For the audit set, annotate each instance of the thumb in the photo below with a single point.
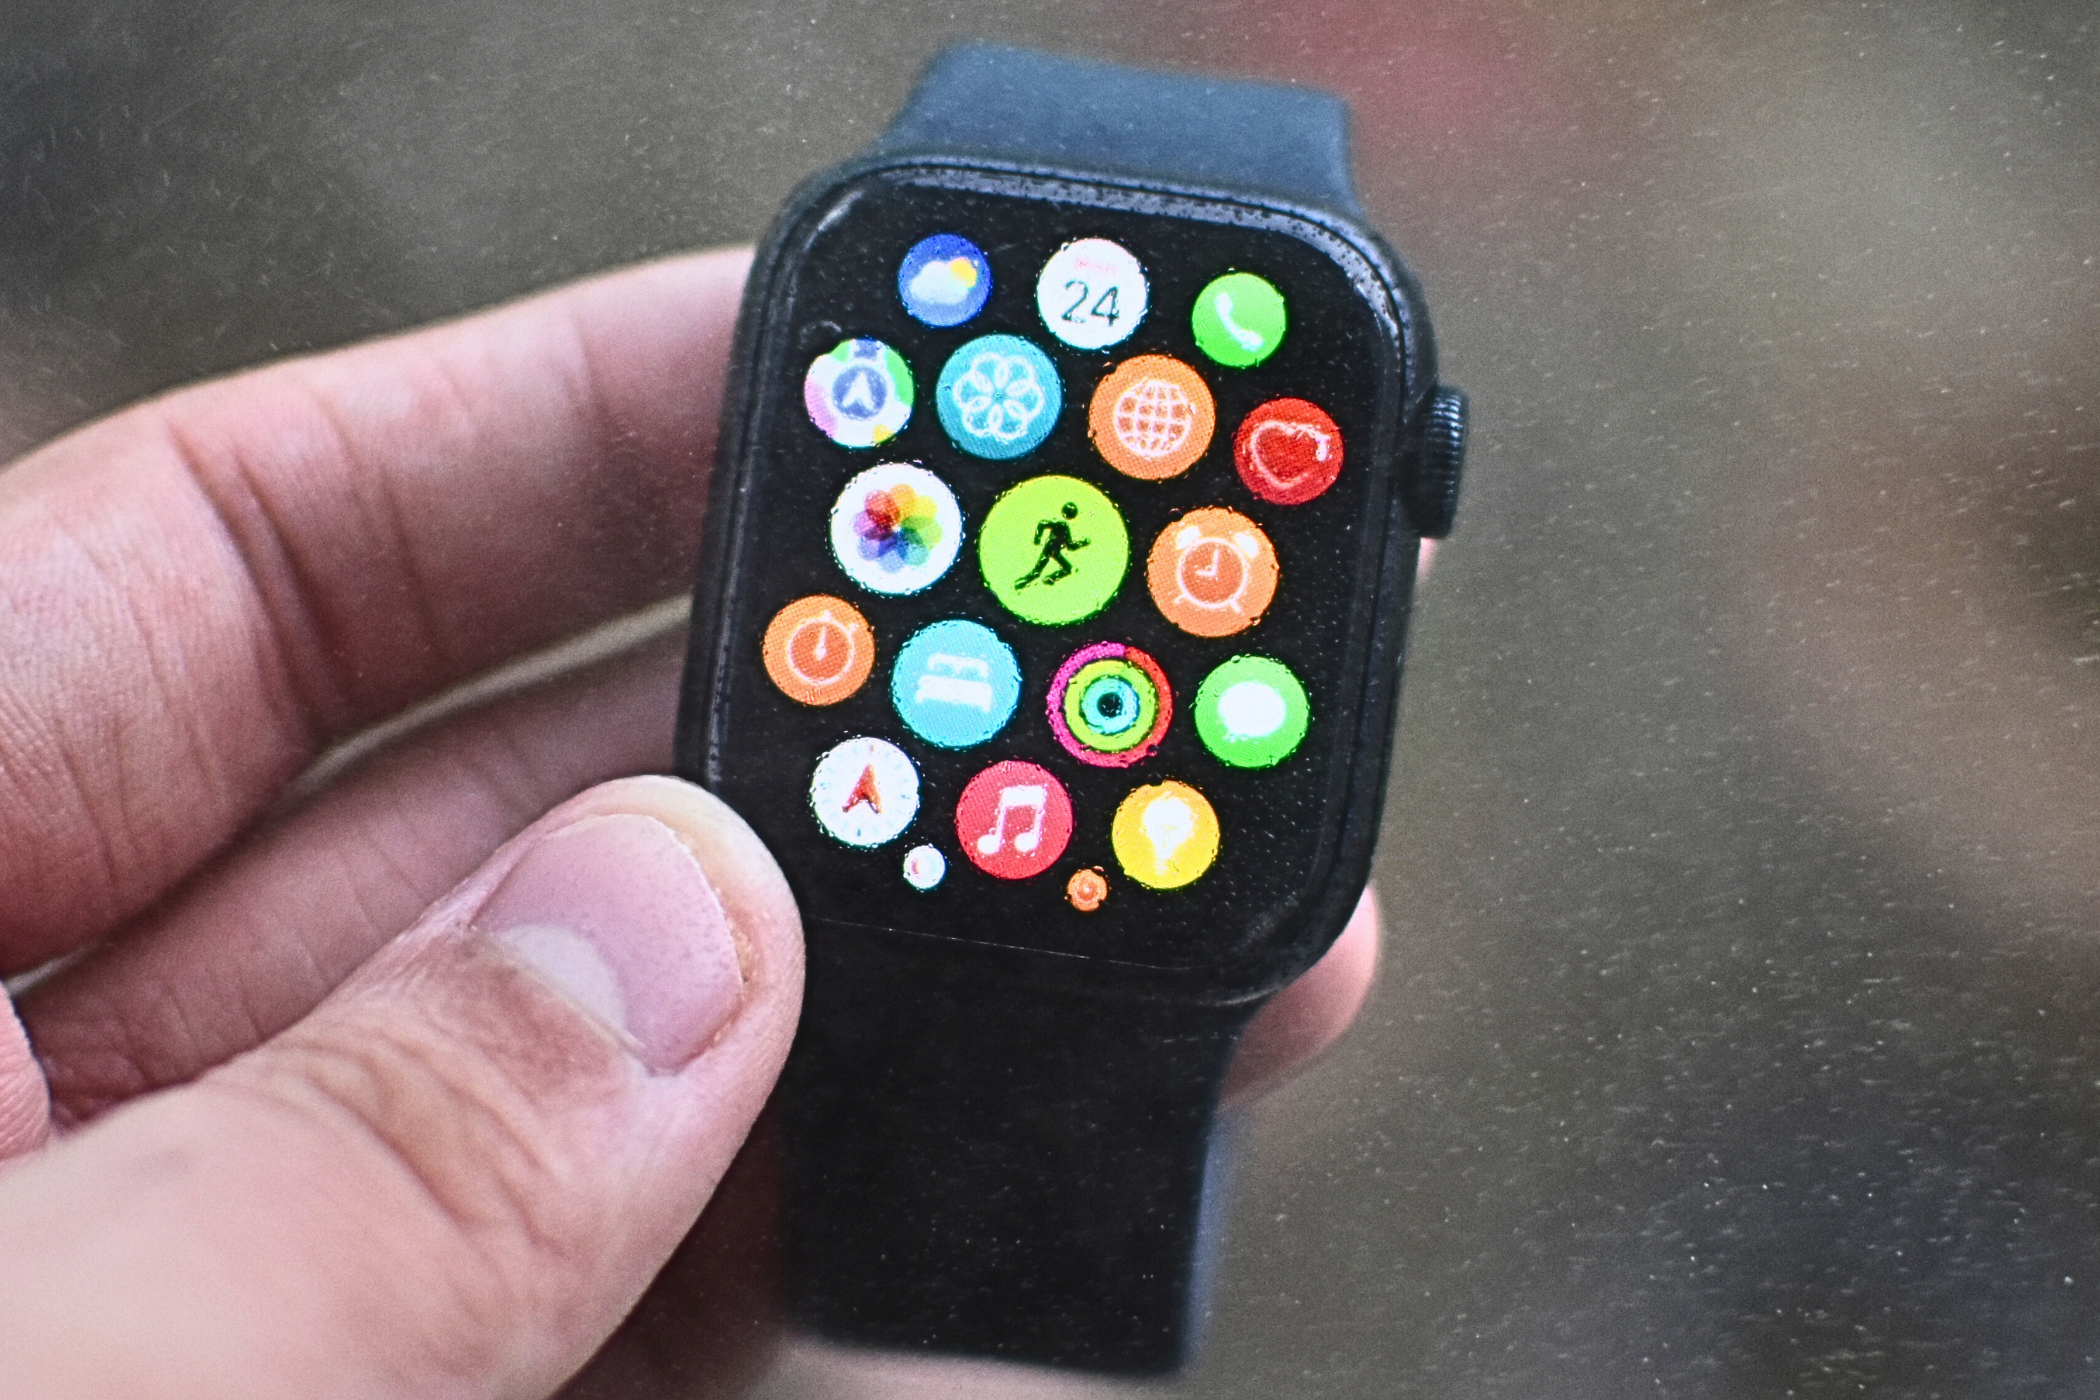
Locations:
(457, 1173)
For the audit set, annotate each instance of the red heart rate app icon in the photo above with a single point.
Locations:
(1288, 451)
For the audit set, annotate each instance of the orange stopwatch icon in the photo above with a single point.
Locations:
(819, 649)
(1213, 572)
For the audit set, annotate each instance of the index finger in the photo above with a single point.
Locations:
(200, 593)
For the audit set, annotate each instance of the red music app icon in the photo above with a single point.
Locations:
(1014, 820)
(1288, 451)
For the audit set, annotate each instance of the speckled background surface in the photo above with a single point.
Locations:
(1737, 1034)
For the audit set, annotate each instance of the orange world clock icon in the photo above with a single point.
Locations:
(1152, 417)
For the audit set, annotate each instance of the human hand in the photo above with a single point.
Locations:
(391, 1084)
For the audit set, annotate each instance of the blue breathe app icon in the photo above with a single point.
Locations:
(955, 683)
(999, 397)
(944, 280)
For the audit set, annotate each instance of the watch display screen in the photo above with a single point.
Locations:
(1060, 523)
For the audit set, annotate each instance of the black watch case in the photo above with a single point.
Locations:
(1294, 839)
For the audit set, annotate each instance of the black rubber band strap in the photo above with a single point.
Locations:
(1007, 104)
(973, 1164)
(982, 1167)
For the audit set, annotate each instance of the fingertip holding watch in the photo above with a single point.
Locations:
(1080, 443)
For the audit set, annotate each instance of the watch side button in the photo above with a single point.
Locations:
(1432, 497)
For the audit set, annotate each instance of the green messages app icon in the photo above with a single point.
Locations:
(1251, 712)
(1239, 320)
(1053, 549)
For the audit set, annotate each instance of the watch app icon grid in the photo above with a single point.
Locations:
(948, 710)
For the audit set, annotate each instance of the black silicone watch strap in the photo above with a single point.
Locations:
(1009, 104)
(983, 1167)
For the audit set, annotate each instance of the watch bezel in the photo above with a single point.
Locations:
(1395, 299)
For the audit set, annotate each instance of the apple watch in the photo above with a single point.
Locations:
(1079, 446)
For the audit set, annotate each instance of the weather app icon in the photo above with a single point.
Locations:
(999, 397)
(944, 280)
(956, 684)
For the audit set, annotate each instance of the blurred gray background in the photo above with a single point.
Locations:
(1737, 1032)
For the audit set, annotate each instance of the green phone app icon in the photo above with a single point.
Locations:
(1239, 319)
(1053, 550)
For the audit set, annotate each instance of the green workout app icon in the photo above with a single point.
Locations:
(1239, 320)
(1053, 550)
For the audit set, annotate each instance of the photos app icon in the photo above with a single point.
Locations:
(896, 528)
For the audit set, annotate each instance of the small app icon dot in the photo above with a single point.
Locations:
(896, 528)
(1213, 572)
(955, 683)
(1086, 889)
(1165, 835)
(819, 649)
(924, 867)
(864, 792)
(1092, 293)
(1053, 550)
(944, 280)
(1109, 705)
(1152, 417)
(1014, 820)
(1288, 451)
(998, 397)
(1239, 320)
(859, 393)
(1251, 712)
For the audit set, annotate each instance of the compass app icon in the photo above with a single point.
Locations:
(864, 792)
